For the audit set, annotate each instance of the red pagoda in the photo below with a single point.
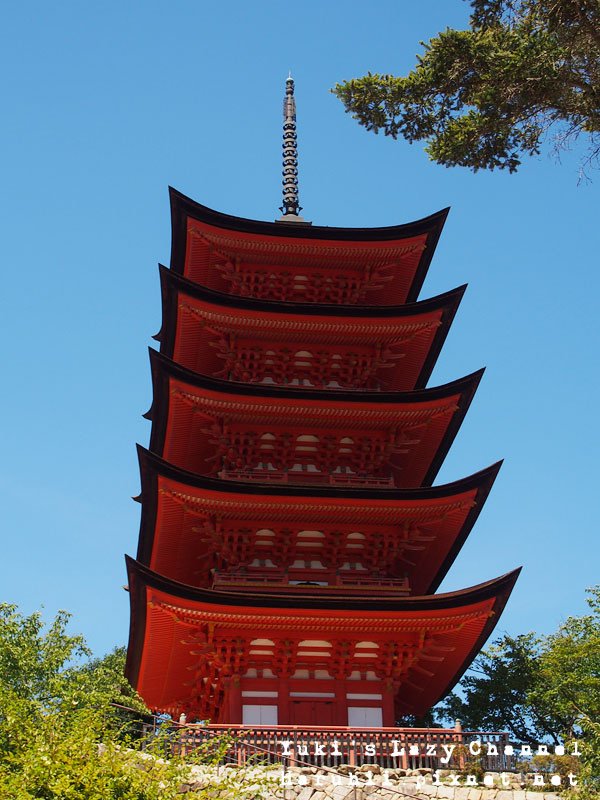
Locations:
(291, 539)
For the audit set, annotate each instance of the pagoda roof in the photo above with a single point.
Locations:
(435, 414)
(408, 247)
(172, 624)
(419, 329)
(175, 501)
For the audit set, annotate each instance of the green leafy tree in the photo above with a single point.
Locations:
(61, 737)
(540, 688)
(569, 683)
(495, 694)
(486, 96)
(569, 677)
(47, 673)
(34, 661)
(57, 724)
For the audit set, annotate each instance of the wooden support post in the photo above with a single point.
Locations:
(341, 704)
(234, 700)
(283, 702)
(387, 710)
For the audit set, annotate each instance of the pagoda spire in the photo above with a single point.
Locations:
(291, 205)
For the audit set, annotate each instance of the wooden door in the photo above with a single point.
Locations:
(312, 712)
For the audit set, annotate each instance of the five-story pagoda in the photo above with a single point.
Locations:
(291, 539)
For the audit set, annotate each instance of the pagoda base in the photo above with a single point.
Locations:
(298, 702)
(330, 747)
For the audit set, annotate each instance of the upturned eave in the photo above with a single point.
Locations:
(272, 504)
(463, 619)
(185, 211)
(310, 321)
(341, 408)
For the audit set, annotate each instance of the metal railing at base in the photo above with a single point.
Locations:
(330, 747)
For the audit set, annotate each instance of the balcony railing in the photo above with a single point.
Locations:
(309, 478)
(390, 748)
(275, 580)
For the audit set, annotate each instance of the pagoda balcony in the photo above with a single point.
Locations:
(326, 581)
(389, 747)
(307, 478)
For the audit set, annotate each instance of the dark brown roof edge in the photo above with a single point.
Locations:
(173, 281)
(152, 461)
(508, 583)
(442, 332)
(470, 387)
(183, 204)
(488, 478)
(161, 363)
(183, 207)
(137, 624)
(496, 587)
(151, 466)
(162, 368)
(140, 577)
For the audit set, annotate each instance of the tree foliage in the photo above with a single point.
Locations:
(569, 665)
(55, 711)
(61, 737)
(487, 96)
(569, 682)
(495, 694)
(539, 688)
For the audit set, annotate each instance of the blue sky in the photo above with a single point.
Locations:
(104, 107)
